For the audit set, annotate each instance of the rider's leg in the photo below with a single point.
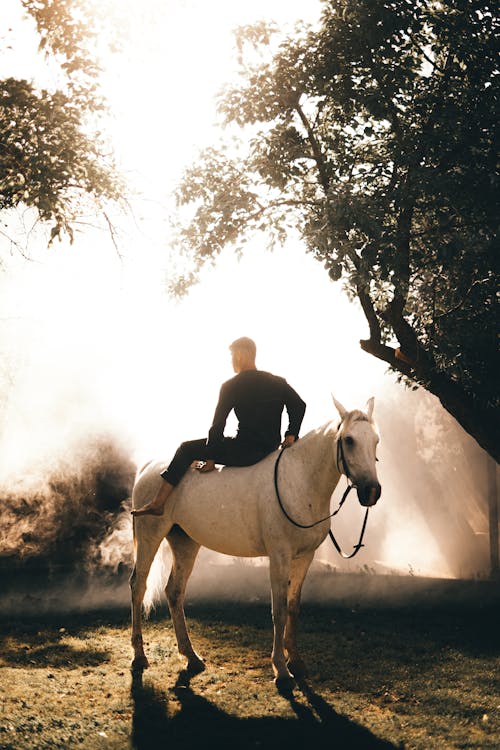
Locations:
(186, 453)
(231, 452)
(157, 505)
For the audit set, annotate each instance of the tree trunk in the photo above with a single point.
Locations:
(481, 423)
(491, 473)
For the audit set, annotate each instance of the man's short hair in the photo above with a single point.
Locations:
(244, 344)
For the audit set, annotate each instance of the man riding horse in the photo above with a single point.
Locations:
(258, 399)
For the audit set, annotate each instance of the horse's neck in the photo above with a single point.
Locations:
(318, 462)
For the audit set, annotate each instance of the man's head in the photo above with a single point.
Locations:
(243, 352)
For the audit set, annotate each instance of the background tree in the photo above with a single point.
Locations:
(374, 137)
(53, 157)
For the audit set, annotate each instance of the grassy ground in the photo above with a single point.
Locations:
(410, 676)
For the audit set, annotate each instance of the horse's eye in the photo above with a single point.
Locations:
(349, 440)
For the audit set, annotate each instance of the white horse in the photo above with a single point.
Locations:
(235, 511)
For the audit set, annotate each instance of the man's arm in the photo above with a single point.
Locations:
(296, 408)
(224, 406)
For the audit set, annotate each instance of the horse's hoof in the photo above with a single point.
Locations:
(284, 685)
(298, 668)
(139, 663)
(195, 665)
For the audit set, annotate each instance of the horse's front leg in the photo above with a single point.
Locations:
(279, 568)
(147, 539)
(298, 571)
(184, 551)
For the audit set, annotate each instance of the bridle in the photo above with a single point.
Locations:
(343, 468)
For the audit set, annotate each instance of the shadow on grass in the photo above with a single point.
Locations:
(39, 645)
(199, 723)
(471, 629)
(55, 655)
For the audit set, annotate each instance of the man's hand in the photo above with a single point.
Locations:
(206, 466)
(288, 441)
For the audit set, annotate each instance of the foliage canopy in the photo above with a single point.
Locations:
(374, 137)
(53, 157)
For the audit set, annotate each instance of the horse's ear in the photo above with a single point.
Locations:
(340, 408)
(369, 406)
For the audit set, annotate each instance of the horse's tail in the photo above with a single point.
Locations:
(157, 578)
(157, 575)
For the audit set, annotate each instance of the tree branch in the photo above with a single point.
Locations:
(424, 54)
(478, 282)
(316, 149)
(389, 355)
(370, 314)
(481, 422)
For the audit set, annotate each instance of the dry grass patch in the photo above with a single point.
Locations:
(379, 678)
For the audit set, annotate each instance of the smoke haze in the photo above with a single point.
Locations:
(101, 377)
(100, 371)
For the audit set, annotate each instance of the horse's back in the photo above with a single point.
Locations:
(226, 510)
(233, 510)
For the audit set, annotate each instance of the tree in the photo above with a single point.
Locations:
(53, 158)
(373, 137)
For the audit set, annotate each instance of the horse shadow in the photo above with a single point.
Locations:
(198, 722)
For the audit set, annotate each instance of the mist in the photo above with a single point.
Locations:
(101, 372)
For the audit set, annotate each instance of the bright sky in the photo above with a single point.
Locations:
(92, 340)
(176, 56)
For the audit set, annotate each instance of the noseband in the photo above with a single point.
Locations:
(343, 468)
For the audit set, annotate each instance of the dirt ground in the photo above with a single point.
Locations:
(422, 672)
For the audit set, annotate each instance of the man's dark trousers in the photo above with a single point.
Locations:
(229, 451)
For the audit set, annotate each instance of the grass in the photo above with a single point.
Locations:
(380, 677)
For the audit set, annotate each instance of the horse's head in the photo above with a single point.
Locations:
(356, 445)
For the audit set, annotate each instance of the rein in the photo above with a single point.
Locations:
(345, 468)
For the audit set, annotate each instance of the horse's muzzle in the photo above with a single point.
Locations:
(368, 494)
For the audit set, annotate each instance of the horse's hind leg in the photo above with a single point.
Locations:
(298, 570)
(184, 551)
(147, 538)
